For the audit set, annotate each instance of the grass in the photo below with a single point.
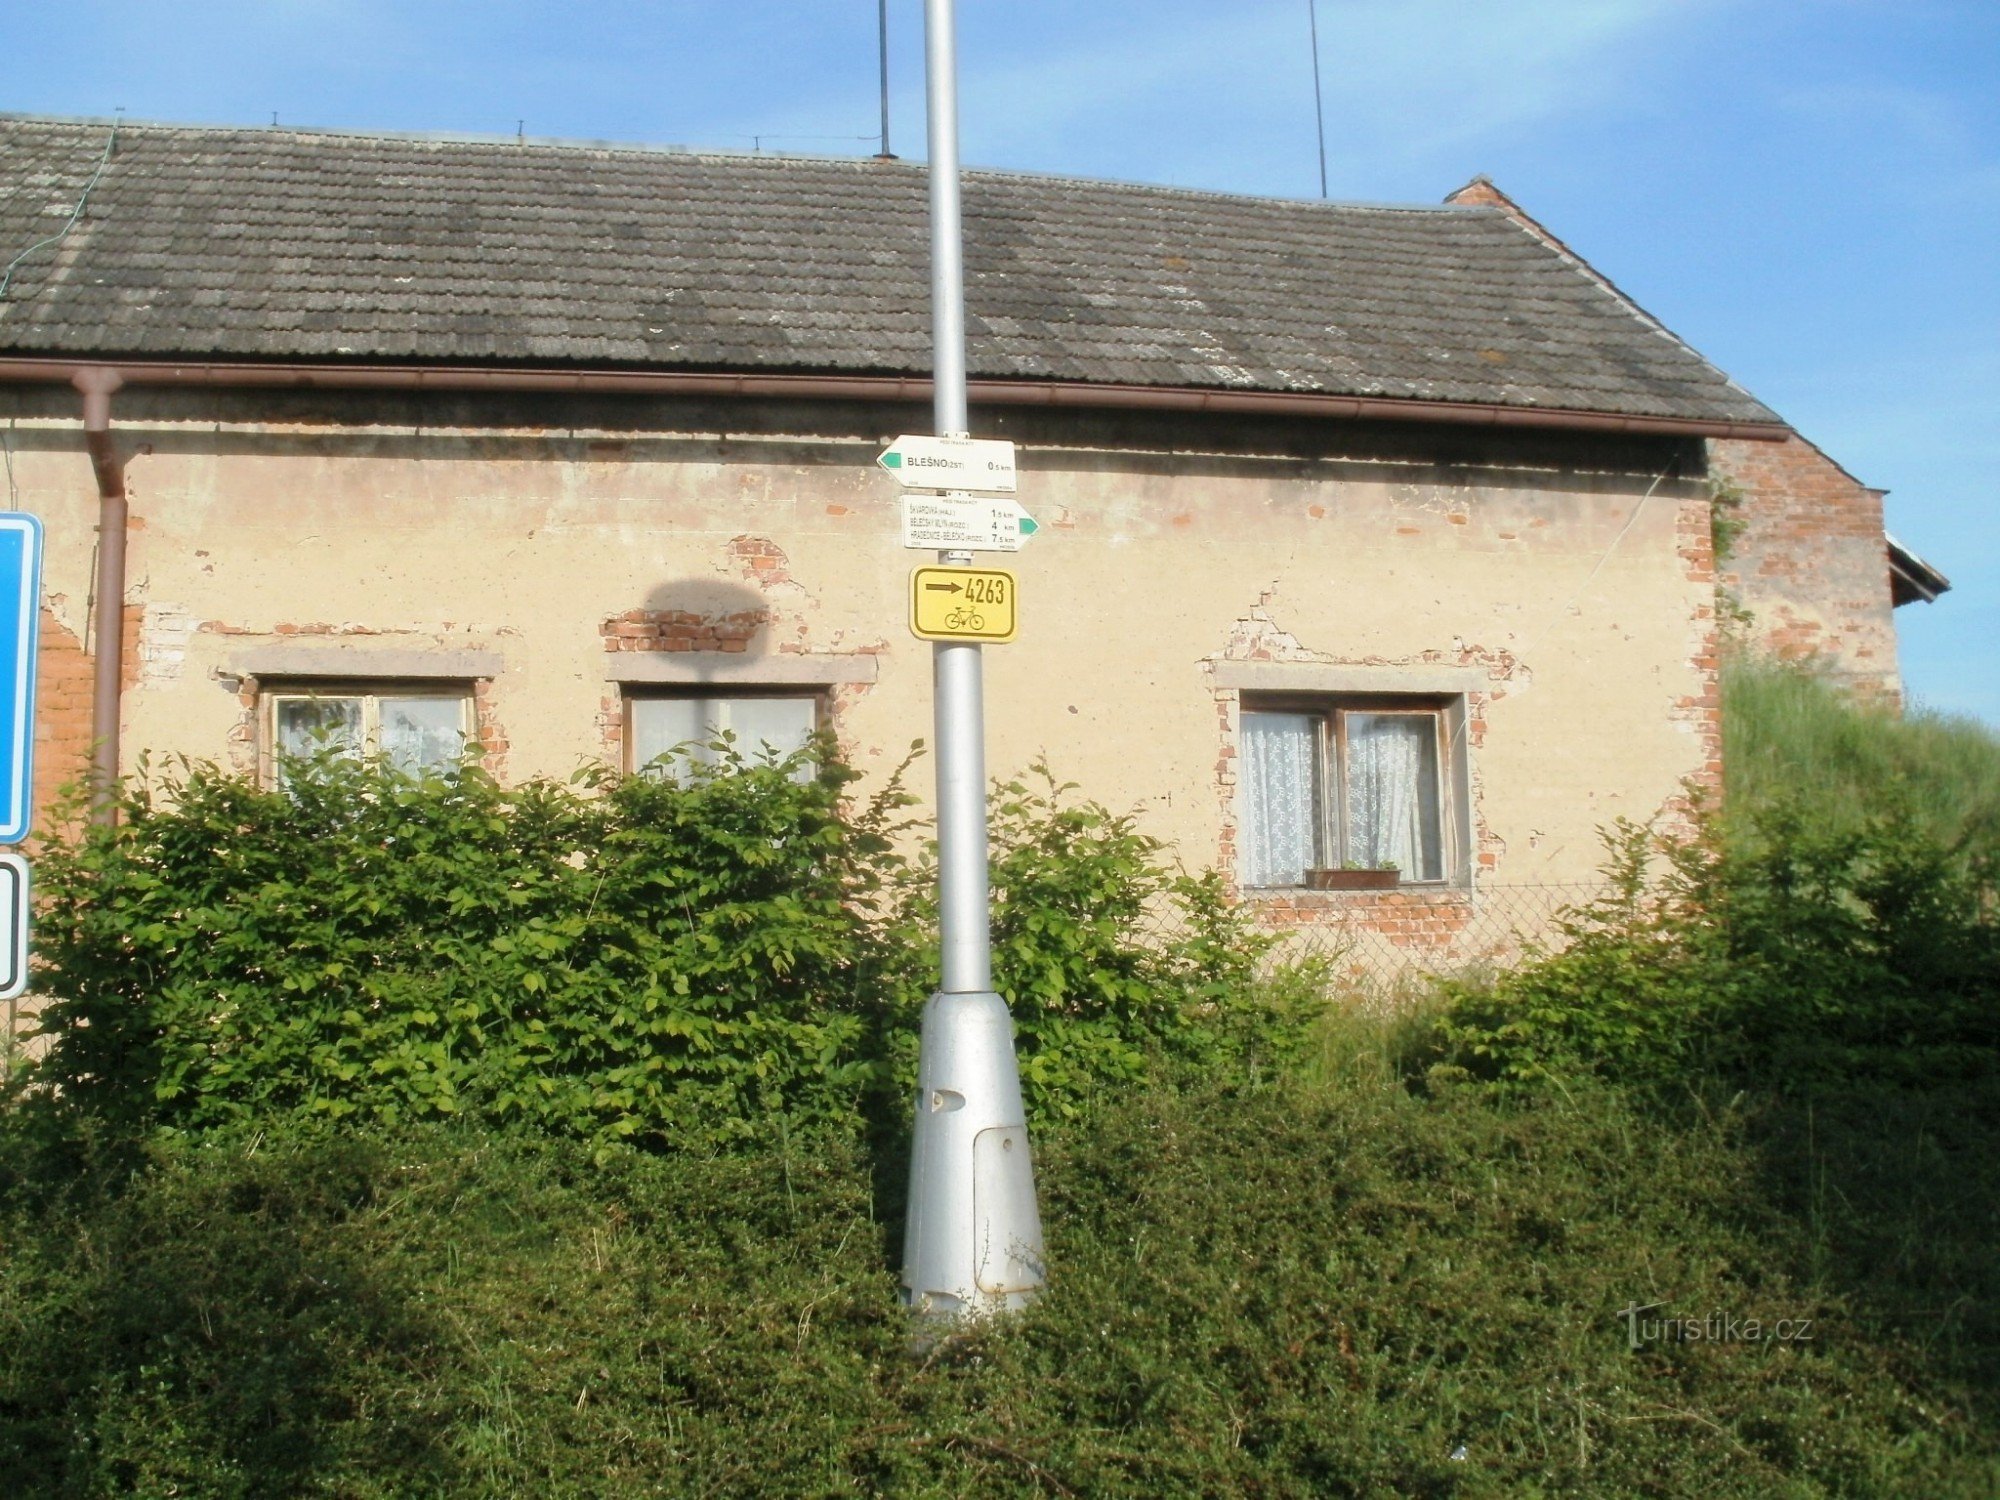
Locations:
(1789, 734)
(1341, 1289)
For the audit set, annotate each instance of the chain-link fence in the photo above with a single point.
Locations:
(1410, 934)
(1390, 938)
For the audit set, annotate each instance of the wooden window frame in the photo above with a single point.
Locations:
(1329, 712)
(632, 694)
(372, 692)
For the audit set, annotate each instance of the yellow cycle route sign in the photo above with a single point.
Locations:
(962, 604)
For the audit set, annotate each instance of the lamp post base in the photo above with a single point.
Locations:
(972, 1243)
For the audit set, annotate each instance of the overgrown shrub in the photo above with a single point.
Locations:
(665, 961)
(1354, 1293)
(1120, 972)
(1830, 922)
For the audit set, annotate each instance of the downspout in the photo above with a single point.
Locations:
(108, 635)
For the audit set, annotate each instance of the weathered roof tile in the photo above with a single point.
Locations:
(274, 244)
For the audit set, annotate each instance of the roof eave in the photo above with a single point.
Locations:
(991, 392)
(1911, 579)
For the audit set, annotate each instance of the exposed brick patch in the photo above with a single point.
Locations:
(1810, 562)
(1228, 714)
(487, 731)
(689, 630)
(63, 689)
(1425, 920)
(128, 668)
(762, 560)
(1481, 193)
(682, 630)
(1258, 637)
(611, 726)
(240, 745)
(310, 627)
(164, 631)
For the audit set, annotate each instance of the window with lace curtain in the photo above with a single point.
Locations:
(1359, 783)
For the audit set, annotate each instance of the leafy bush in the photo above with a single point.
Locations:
(1825, 927)
(1635, 988)
(692, 961)
(1120, 973)
(1351, 1293)
(666, 961)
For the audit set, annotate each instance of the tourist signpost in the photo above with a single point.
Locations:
(948, 463)
(965, 523)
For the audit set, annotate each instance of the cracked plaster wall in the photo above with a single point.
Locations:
(463, 527)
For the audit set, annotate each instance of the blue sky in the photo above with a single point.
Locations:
(1808, 191)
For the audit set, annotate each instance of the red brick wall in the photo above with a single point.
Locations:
(1810, 564)
(62, 715)
(64, 678)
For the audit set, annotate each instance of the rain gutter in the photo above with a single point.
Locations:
(1078, 395)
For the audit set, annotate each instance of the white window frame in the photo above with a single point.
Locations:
(372, 693)
(634, 694)
(1330, 774)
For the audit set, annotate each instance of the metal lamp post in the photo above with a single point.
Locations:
(973, 1239)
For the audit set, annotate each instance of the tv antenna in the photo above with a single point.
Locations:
(1319, 111)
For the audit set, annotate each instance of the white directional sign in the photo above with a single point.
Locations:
(965, 523)
(937, 463)
(13, 925)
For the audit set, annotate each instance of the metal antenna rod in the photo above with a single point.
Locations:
(1319, 113)
(882, 47)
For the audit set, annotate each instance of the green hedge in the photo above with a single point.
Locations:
(661, 961)
(1352, 1293)
(1839, 917)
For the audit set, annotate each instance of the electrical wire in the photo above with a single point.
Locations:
(1521, 651)
(7, 278)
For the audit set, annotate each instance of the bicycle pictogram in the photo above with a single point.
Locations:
(965, 619)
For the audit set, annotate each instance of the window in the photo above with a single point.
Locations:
(684, 728)
(1360, 783)
(415, 729)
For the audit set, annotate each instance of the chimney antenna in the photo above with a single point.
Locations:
(1319, 112)
(882, 48)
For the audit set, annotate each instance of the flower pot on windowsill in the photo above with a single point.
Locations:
(1353, 880)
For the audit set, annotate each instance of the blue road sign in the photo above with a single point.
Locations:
(20, 621)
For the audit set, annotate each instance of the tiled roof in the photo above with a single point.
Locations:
(269, 244)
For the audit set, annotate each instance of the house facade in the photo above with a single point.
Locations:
(1368, 537)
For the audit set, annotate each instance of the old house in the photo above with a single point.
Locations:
(1369, 535)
